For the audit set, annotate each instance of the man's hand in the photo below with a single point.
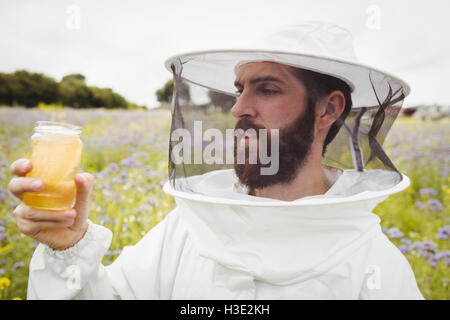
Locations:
(57, 229)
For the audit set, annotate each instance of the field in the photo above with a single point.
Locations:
(126, 151)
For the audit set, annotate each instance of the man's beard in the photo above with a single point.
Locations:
(295, 143)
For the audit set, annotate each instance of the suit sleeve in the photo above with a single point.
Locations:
(77, 272)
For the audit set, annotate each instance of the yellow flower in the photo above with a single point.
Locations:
(4, 282)
(446, 189)
(17, 298)
(6, 248)
(163, 165)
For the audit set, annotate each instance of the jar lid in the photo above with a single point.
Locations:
(57, 127)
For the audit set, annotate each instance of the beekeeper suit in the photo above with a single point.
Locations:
(222, 242)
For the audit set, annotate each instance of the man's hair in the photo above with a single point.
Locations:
(319, 85)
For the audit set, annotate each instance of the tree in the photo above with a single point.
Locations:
(221, 100)
(29, 89)
(74, 92)
(74, 76)
(106, 98)
(165, 93)
(8, 89)
(25, 88)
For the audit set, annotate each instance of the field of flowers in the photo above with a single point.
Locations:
(126, 151)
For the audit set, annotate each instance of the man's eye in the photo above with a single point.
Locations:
(264, 91)
(268, 91)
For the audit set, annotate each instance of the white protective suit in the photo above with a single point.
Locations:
(220, 243)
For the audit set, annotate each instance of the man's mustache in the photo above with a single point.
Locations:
(246, 123)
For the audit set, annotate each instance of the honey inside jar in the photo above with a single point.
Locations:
(55, 154)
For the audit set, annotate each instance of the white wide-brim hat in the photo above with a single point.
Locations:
(317, 46)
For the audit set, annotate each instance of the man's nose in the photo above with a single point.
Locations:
(244, 106)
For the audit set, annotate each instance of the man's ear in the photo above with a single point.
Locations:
(332, 107)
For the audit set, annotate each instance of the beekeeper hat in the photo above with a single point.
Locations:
(377, 96)
(317, 46)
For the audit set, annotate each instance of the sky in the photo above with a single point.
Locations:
(123, 44)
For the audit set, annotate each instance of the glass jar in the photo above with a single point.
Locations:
(55, 156)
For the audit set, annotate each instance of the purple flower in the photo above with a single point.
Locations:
(3, 196)
(425, 248)
(445, 173)
(434, 262)
(405, 241)
(443, 233)
(2, 176)
(18, 265)
(2, 271)
(420, 205)
(123, 177)
(116, 252)
(103, 219)
(443, 255)
(152, 201)
(112, 194)
(435, 205)
(13, 203)
(3, 164)
(429, 245)
(404, 249)
(34, 244)
(130, 162)
(428, 191)
(102, 175)
(394, 233)
(108, 193)
(113, 167)
(103, 186)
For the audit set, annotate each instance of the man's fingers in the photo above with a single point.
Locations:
(22, 211)
(31, 228)
(19, 185)
(20, 167)
(84, 183)
(31, 221)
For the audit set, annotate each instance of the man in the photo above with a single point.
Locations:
(305, 232)
(305, 126)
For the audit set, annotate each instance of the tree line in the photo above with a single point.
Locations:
(29, 89)
(23, 88)
(219, 100)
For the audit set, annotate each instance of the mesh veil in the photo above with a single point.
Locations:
(198, 106)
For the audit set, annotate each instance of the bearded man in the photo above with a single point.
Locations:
(304, 232)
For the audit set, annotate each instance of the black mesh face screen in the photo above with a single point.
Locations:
(359, 143)
(202, 127)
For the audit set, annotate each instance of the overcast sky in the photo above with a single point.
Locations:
(123, 44)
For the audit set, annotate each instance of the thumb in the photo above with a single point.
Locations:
(84, 183)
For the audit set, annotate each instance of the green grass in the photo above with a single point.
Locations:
(130, 201)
